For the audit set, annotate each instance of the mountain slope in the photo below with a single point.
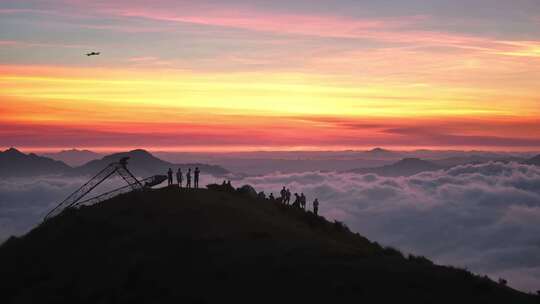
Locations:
(404, 167)
(218, 246)
(14, 163)
(534, 161)
(142, 163)
(74, 157)
(473, 159)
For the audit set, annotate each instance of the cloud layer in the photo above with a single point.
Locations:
(25, 201)
(483, 217)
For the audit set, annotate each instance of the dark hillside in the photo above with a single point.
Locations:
(216, 246)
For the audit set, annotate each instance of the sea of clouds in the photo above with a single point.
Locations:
(485, 217)
(24, 202)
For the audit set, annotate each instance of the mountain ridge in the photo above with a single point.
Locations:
(404, 167)
(143, 163)
(218, 245)
(14, 163)
(534, 160)
(74, 157)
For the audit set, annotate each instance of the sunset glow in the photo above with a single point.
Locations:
(235, 75)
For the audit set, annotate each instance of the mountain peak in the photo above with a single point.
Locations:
(135, 155)
(378, 150)
(139, 151)
(14, 163)
(13, 151)
(142, 163)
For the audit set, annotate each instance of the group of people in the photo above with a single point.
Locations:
(299, 200)
(179, 178)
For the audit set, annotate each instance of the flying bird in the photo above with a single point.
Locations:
(93, 54)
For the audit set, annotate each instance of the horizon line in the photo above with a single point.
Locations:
(244, 149)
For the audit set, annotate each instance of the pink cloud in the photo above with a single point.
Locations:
(330, 26)
(22, 11)
(149, 60)
(128, 28)
(8, 42)
(142, 59)
(389, 30)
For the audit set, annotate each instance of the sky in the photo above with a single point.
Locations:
(270, 75)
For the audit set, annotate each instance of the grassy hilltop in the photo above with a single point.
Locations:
(218, 246)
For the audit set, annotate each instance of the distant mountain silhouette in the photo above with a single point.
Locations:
(14, 163)
(265, 166)
(74, 157)
(404, 167)
(534, 161)
(142, 163)
(379, 151)
(217, 246)
(473, 159)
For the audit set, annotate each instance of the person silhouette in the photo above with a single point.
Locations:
(228, 186)
(296, 202)
(288, 197)
(271, 197)
(188, 179)
(169, 177)
(316, 206)
(179, 177)
(303, 201)
(283, 193)
(196, 178)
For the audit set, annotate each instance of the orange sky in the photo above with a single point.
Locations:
(241, 77)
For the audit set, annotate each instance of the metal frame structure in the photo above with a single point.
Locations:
(120, 168)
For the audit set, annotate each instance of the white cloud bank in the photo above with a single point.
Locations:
(483, 217)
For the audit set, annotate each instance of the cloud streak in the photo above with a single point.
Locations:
(396, 30)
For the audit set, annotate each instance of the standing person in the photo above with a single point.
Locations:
(188, 179)
(283, 195)
(179, 177)
(303, 201)
(169, 177)
(196, 178)
(316, 206)
(288, 196)
(296, 203)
